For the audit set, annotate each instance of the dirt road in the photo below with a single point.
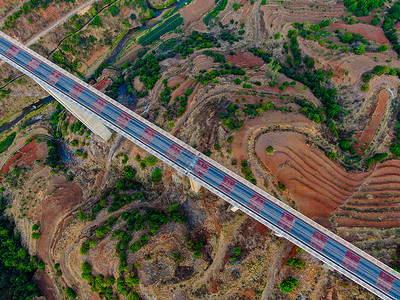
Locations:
(59, 22)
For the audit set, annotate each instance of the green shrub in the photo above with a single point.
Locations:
(367, 77)
(86, 268)
(362, 8)
(114, 10)
(344, 145)
(331, 155)
(238, 81)
(235, 6)
(281, 186)
(376, 158)
(177, 257)
(35, 235)
(197, 254)
(130, 172)
(156, 176)
(395, 149)
(96, 21)
(150, 160)
(365, 87)
(247, 173)
(269, 149)
(297, 263)
(70, 293)
(237, 251)
(102, 231)
(79, 152)
(175, 213)
(383, 48)
(380, 70)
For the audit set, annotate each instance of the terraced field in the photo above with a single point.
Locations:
(322, 189)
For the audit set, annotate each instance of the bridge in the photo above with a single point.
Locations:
(100, 113)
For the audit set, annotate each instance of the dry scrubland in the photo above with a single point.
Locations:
(221, 93)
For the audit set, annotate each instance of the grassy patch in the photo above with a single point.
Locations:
(221, 4)
(164, 5)
(4, 144)
(155, 34)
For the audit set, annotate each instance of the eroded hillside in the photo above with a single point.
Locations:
(301, 98)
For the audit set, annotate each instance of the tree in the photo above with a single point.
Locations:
(156, 175)
(132, 280)
(367, 77)
(359, 50)
(380, 70)
(395, 149)
(237, 251)
(133, 296)
(238, 81)
(35, 235)
(269, 149)
(86, 268)
(288, 284)
(102, 231)
(150, 160)
(344, 145)
(70, 293)
(365, 87)
(331, 155)
(130, 172)
(174, 213)
(295, 262)
(96, 21)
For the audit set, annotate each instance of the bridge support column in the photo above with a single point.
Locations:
(233, 208)
(195, 186)
(93, 124)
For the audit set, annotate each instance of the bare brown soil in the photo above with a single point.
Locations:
(194, 14)
(45, 285)
(65, 197)
(321, 188)
(245, 60)
(26, 156)
(102, 84)
(318, 185)
(376, 115)
(370, 32)
(301, 12)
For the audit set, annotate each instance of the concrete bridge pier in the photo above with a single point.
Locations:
(194, 186)
(92, 123)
